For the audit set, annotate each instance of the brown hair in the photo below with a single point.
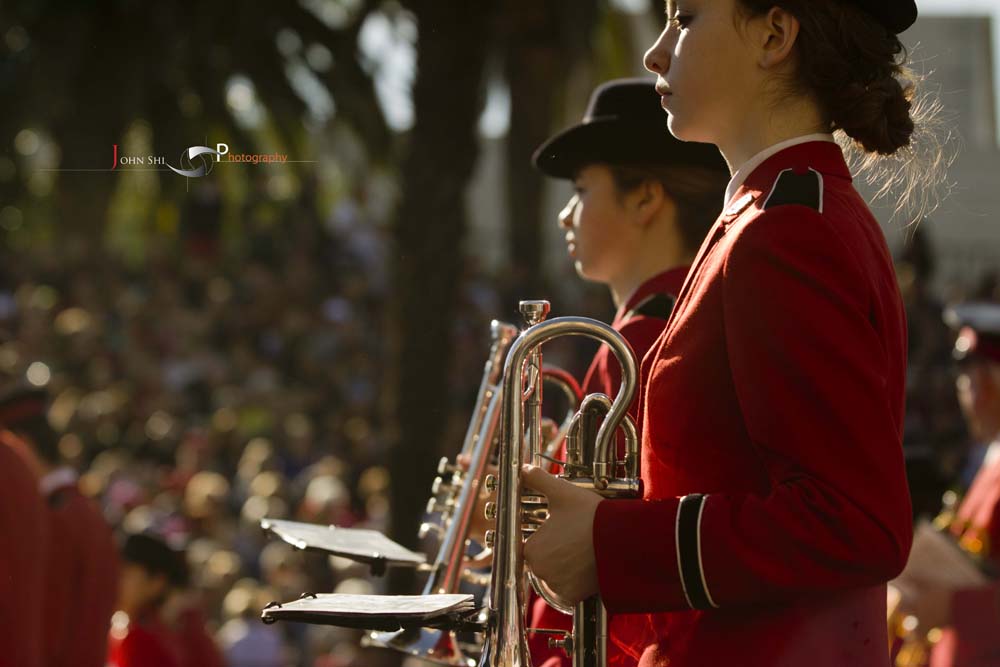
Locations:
(696, 191)
(856, 71)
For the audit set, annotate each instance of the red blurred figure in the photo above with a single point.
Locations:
(139, 637)
(158, 624)
(81, 575)
(965, 619)
(23, 542)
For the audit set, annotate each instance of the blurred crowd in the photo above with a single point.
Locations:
(216, 385)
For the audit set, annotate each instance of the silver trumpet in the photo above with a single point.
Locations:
(454, 497)
(591, 463)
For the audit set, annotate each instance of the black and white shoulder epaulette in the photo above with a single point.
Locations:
(803, 189)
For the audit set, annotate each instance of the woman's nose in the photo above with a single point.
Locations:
(566, 215)
(657, 58)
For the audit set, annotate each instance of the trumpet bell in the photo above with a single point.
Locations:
(431, 644)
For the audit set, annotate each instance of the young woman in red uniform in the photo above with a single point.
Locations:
(644, 202)
(775, 504)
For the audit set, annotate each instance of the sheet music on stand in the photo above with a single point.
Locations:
(366, 546)
(936, 558)
(374, 612)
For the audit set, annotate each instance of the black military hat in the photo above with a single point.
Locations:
(978, 325)
(154, 554)
(624, 124)
(20, 404)
(895, 15)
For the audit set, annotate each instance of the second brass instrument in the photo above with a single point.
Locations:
(506, 641)
(454, 498)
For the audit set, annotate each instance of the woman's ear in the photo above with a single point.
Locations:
(775, 34)
(647, 201)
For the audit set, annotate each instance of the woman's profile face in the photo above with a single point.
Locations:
(705, 70)
(595, 222)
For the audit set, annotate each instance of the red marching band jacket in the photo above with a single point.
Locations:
(640, 321)
(775, 505)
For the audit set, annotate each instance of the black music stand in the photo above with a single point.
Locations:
(375, 612)
(365, 546)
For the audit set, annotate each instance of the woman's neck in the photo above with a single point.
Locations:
(767, 126)
(659, 248)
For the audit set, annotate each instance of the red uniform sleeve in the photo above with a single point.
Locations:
(814, 378)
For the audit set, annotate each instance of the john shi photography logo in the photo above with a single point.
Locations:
(195, 161)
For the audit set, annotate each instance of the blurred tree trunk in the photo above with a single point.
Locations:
(532, 70)
(87, 114)
(543, 40)
(429, 229)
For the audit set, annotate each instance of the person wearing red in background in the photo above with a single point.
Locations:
(24, 544)
(150, 571)
(158, 619)
(775, 504)
(967, 619)
(81, 572)
(643, 203)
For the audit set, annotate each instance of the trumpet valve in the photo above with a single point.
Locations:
(491, 511)
(445, 467)
(490, 538)
(428, 527)
(534, 512)
(434, 505)
(440, 484)
(491, 484)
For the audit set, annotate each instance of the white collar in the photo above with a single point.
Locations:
(57, 479)
(748, 167)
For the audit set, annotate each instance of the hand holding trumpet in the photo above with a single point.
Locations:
(561, 552)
